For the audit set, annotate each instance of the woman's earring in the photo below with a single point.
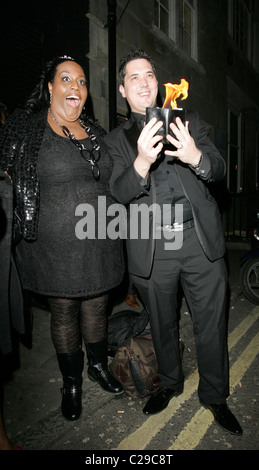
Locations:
(50, 97)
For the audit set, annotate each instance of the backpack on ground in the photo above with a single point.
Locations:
(123, 325)
(135, 366)
(130, 344)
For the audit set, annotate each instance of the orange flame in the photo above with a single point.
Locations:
(174, 91)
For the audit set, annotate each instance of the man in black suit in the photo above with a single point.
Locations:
(180, 237)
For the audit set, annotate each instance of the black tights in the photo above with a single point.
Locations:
(75, 319)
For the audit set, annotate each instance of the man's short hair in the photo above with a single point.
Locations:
(133, 55)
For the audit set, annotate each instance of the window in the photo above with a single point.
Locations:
(185, 25)
(178, 20)
(162, 15)
(241, 24)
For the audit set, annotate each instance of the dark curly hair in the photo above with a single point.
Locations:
(133, 55)
(40, 97)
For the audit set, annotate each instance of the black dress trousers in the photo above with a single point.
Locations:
(204, 284)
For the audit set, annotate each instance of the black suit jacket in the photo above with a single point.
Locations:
(128, 188)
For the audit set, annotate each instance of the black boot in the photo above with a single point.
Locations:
(98, 370)
(71, 367)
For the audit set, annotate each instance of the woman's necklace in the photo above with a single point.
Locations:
(94, 153)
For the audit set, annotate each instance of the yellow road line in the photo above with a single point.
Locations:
(194, 431)
(139, 439)
(242, 328)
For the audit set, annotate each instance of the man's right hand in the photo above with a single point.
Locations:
(149, 147)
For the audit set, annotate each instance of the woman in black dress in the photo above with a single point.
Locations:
(60, 169)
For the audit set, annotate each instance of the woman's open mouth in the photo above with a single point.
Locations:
(73, 101)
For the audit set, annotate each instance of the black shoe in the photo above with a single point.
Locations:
(224, 418)
(159, 400)
(101, 374)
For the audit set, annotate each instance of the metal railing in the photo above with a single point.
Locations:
(240, 215)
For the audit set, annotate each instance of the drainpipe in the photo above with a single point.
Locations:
(111, 21)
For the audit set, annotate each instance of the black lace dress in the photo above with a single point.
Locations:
(62, 262)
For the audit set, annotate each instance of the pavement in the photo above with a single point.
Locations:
(32, 398)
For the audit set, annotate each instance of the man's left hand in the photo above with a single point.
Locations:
(186, 151)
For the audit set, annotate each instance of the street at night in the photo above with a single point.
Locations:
(32, 397)
(79, 83)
